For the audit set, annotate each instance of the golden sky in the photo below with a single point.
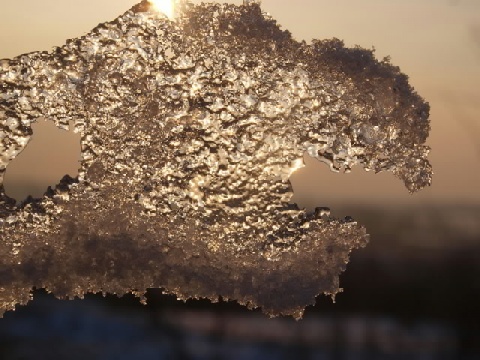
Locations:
(435, 42)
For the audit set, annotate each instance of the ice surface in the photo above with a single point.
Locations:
(190, 130)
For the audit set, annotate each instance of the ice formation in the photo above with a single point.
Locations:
(190, 130)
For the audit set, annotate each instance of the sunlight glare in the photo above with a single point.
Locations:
(165, 6)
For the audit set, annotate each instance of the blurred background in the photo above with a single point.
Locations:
(412, 293)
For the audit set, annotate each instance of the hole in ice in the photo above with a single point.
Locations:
(315, 185)
(50, 154)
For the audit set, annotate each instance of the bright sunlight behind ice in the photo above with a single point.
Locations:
(165, 6)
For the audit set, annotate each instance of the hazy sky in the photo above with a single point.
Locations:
(435, 42)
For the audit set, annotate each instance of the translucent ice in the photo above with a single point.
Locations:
(189, 132)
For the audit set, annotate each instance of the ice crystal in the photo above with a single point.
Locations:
(190, 130)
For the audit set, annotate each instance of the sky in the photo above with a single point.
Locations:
(435, 42)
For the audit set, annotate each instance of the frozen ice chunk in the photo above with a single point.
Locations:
(189, 132)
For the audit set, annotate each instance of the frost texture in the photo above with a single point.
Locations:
(189, 131)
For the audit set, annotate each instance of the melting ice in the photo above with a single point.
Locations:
(189, 133)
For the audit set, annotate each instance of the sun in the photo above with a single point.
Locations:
(167, 7)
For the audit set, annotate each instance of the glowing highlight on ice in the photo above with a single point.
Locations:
(166, 7)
